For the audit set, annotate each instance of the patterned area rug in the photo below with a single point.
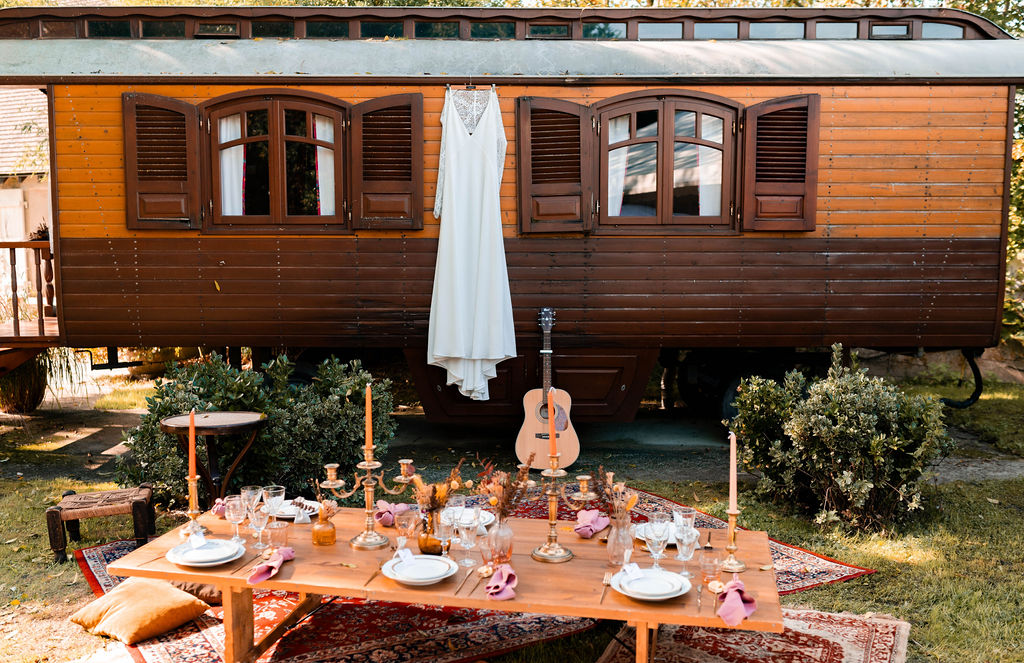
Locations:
(349, 630)
(810, 637)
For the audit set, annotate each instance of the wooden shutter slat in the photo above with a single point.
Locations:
(780, 164)
(387, 163)
(555, 141)
(161, 162)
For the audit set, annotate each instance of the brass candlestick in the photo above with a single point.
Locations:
(731, 564)
(552, 551)
(193, 526)
(368, 539)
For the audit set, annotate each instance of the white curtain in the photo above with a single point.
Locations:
(232, 167)
(323, 129)
(710, 189)
(617, 160)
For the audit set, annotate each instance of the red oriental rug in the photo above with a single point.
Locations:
(810, 637)
(349, 630)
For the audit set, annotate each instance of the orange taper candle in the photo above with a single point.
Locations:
(552, 436)
(192, 444)
(369, 419)
(732, 471)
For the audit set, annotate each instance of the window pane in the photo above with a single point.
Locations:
(255, 180)
(776, 30)
(711, 128)
(380, 29)
(618, 129)
(836, 30)
(256, 123)
(437, 30)
(217, 29)
(492, 30)
(104, 29)
(295, 122)
(646, 123)
(686, 123)
(327, 29)
(323, 128)
(229, 128)
(604, 30)
(272, 29)
(59, 29)
(633, 180)
(890, 31)
(660, 31)
(931, 30)
(715, 30)
(548, 31)
(302, 192)
(697, 180)
(162, 29)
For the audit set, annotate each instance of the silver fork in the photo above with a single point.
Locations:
(607, 581)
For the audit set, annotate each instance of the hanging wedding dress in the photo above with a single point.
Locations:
(471, 328)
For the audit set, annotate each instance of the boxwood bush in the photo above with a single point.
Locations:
(847, 447)
(308, 424)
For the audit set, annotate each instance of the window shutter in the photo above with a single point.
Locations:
(554, 149)
(387, 163)
(161, 162)
(780, 175)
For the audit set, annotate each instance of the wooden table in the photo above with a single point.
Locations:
(571, 589)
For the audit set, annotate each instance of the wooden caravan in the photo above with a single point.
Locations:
(702, 179)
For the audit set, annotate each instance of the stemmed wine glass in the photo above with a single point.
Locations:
(686, 536)
(258, 519)
(453, 511)
(406, 523)
(274, 497)
(251, 497)
(445, 532)
(656, 534)
(235, 512)
(468, 522)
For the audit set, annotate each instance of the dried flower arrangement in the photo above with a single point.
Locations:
(433, 496)
(613, 497)
(328, 508)
(505, 490)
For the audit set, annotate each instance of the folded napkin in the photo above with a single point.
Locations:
(386, 512)
(589, 522)
(499, 587)
(272, 566)
(301, 516)
(737, 605)
(219, 507)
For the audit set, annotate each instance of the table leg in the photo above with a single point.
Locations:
(238, 625)
(644, 648)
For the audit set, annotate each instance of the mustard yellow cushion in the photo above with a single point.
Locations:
(137, 609)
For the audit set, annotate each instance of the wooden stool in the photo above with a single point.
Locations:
(74, 507)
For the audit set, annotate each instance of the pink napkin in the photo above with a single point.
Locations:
(271, 567)
(501, 583)
(219, 507)
(737, 605)
(386, 512)
(589, 522)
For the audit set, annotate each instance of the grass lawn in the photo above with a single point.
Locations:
(997, 418)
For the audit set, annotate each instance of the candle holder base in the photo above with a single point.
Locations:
(193, 527)
(733, 565)
(369, 540)
(552, 553)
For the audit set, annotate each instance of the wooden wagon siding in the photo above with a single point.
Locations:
(907, 250)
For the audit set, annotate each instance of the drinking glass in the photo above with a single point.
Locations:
(274, 497)
(686, 536)
(656, 534)
(251, 497)
(258, 519)
(468, 522)
(445, 532)
(277, 534)
(406, 523)
(234, 513)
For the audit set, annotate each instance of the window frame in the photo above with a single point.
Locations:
(668, 102)
(276, 101)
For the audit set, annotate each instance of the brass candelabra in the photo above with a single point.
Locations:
(369, 538)
(552, 551)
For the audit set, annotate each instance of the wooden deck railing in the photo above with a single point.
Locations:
(41, 265)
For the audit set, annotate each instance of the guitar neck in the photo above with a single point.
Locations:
(546, 360)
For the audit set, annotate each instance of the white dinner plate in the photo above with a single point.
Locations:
(423, 570)
(640, 532)
(211, 553)
(486, 517)
(651, 585)
(289, 510)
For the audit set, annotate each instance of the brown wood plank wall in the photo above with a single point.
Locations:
(710, 292)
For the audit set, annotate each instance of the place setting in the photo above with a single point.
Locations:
(654, 583)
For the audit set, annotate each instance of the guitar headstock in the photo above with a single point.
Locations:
(546, 318)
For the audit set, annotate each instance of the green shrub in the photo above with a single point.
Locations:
(308, 425)
(847, 447)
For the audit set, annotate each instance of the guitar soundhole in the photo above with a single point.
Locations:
(561, 418)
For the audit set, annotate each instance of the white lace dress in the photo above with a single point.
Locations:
(471, 328)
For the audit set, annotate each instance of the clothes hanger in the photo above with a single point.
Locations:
(468, 86)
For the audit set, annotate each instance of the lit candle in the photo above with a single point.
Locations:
(369, 419)
(552, 436)
(732, 471)
(192, 444)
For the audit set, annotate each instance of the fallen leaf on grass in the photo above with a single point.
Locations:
(992, 501)
(10, 541)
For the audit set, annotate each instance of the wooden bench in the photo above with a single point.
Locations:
(74, 507)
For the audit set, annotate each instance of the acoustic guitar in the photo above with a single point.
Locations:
(533, 436)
